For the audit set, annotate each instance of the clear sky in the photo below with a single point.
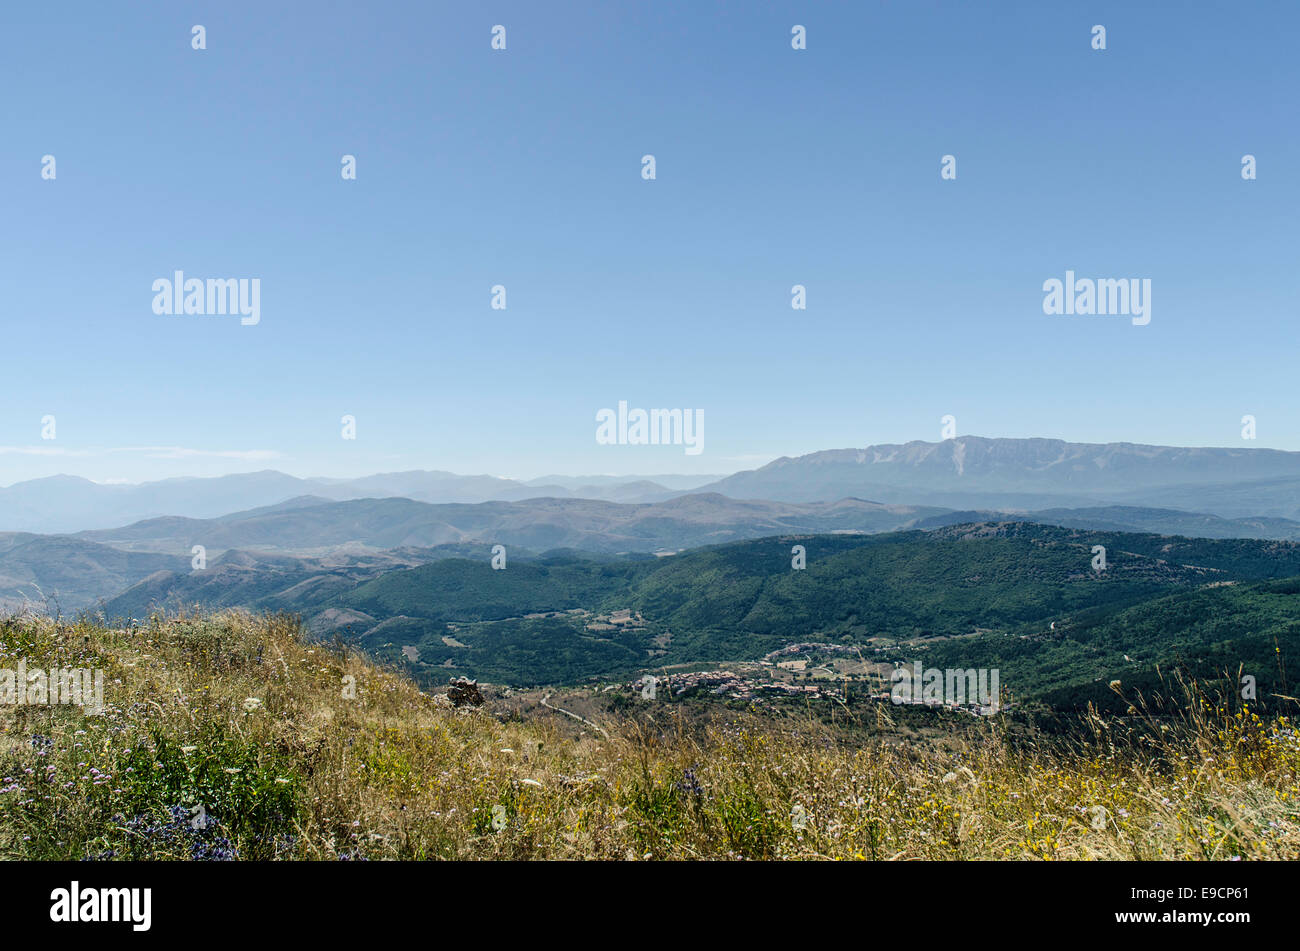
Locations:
(522, 167)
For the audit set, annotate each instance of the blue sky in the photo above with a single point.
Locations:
(522, 167)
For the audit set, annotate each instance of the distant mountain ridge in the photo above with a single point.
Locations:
(539, 524)
(307, 537)
(965, 473)
(1025, 474)
(61, 504)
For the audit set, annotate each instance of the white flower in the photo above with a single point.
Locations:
(252, 703)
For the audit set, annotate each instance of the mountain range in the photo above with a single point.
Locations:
(63, 503)
(1025, 474)
(311, 525)
(265, 521)
(967, 472)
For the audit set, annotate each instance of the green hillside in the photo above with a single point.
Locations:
(981, 596)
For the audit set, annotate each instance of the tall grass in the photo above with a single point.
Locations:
(230, 736)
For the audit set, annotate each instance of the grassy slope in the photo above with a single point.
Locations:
(305, 772)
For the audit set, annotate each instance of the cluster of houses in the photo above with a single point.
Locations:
(758, 685)
(727, 683)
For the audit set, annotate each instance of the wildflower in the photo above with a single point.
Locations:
(252, 703)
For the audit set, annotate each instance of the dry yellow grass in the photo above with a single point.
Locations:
(232, 736)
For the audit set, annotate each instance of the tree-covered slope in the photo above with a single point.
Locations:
(1017, 595)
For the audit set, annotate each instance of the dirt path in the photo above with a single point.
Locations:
(595, 726)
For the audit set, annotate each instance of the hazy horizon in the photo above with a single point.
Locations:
(680, 474)
(347, 478)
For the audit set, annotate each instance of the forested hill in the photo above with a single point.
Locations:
(985, 591)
